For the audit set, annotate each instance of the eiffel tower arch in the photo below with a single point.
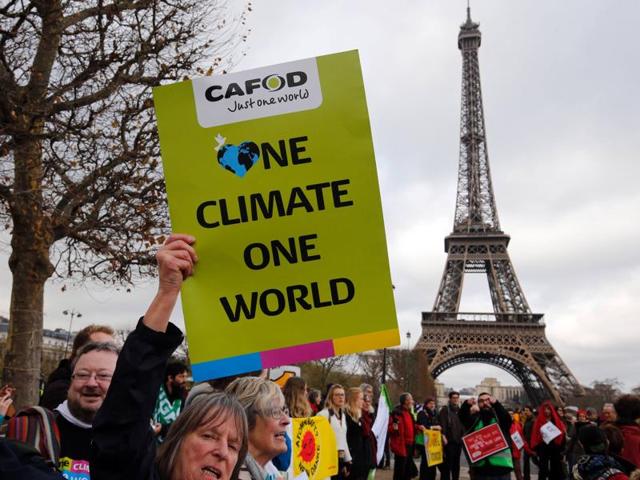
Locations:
(511, 337)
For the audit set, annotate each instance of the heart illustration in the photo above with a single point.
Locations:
(238, 159)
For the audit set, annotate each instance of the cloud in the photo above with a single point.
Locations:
(560, 102)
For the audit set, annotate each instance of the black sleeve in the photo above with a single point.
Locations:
(123, 444)
(465, 415)
(443, 417)
(20, 463)
(504, 419)
(55, 393)
(422, 419)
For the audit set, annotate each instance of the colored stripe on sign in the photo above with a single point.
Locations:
(297, 354)
(373, 340)
(226, 367)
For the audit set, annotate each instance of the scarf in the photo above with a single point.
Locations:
(63, 409)
(256, 471)
(166, 411)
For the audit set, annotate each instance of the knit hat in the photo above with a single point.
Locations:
(592, 439)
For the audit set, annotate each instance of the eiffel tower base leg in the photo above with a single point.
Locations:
(520, 349)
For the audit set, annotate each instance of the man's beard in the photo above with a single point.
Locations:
(486, 415)
(80, 413)
(177, 390)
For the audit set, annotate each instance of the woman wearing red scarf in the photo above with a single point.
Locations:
(549, 454)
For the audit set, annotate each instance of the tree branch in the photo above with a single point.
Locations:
(110, 9)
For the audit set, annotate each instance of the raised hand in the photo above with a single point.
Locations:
(176, 259)
(5, 403)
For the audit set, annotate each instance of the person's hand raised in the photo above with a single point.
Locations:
(176, 259)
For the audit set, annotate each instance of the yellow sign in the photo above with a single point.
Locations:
(433, 446)
(273, 171)
(314, 448)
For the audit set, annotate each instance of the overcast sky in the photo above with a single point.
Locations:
(560, 88)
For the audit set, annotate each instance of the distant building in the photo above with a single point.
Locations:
(442, 394)
(54, 343)
(509, 395)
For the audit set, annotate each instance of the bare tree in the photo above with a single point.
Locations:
(608, 389)
(81, 191)
(326, 366)
(370, 364)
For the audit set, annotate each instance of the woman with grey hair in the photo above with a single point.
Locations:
(267, 419)
(208, 440)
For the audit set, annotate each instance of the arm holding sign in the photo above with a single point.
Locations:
(176, 259)
(123, 442)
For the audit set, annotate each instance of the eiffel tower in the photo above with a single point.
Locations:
(511, 337)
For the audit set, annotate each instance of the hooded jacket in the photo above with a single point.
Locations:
(536, 435)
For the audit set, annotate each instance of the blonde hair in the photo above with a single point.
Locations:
(352, 397)
(256, 395)
(328, 403)
(295, 398)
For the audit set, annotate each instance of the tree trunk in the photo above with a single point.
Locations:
(22, 362)
(30, 265)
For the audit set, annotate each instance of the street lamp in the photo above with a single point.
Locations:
(384, 357)
(72, 313)
(406, 369)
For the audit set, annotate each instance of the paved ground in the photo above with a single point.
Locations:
(464, 472)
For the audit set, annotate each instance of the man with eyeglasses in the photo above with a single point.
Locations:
(92, 371)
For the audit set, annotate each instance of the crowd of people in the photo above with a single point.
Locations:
(563, 444)
(111, 413)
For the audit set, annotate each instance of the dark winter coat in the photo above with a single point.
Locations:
(57, 386)
(359, 447)
(124, 445)
(450, 422)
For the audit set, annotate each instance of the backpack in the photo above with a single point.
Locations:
(34, 430)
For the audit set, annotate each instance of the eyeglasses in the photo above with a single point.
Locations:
(276, 413)
(84, 377)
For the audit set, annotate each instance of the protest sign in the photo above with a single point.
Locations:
(517, 440)
(315, 452)
(433, 447)
(273, 171)
(549, 431)
(484, 442)
(280, 375)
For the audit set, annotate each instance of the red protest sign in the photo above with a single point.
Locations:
(484, 442)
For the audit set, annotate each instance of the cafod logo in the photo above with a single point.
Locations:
(258, 93)
(237, 159)
(271, 83)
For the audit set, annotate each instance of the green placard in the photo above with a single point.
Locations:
(273, 171)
